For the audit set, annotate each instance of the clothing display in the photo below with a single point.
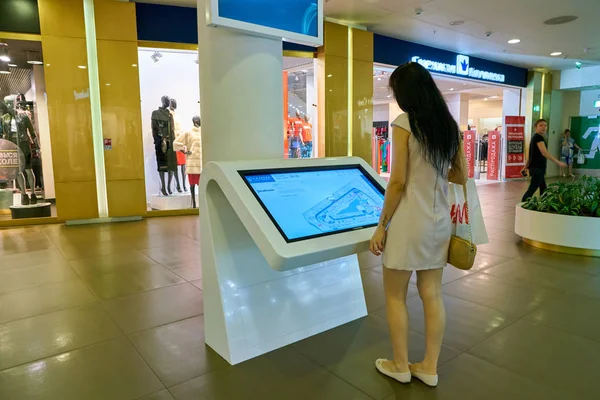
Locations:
(419, 233)
(194, 179)
(163, 133)
(191, 141)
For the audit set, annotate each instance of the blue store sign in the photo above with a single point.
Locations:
(397, 52)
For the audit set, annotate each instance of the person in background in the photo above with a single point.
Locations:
(536, 164)
(415, 228)
(567, 151)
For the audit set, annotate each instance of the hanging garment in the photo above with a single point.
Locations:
(192, 142)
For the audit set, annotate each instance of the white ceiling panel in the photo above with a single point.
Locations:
(523, 19)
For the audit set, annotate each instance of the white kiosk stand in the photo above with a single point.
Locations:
(279, 241)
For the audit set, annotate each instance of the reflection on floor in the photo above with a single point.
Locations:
(110, 312)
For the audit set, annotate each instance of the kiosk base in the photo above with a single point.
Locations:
(251, 309)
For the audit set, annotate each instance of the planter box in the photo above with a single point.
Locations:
(558, 230)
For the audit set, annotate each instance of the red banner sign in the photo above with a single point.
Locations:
(515, 146)
(469, 146)
(493, 155)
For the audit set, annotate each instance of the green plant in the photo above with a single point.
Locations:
(579, 198)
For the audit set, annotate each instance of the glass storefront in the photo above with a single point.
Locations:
(26, 173)
(300, 101)
(171, 122)
(170, 93)
(477, 107)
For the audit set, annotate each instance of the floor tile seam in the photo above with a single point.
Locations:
(134, 347)
(555, 328)
(52, 311)
(63, 352)
(40, 285)
(11, 268)
(162, 325)
(142, 291)
(123, 269)
(109, 254)
(512, 316)
(17, 253)
(459, 352)
(148, 291)
(568, 395)
(559, 269)
(508, 257)
(182, 277)
(328, 370)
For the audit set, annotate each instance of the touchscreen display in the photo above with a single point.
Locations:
(307, 203)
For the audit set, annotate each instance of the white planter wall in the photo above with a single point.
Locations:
(560, 230)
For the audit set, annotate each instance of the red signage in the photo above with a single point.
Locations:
(469, 147)
(515, 146)
(107, 144)
(493, 155)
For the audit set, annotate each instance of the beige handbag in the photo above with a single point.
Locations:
(461, 253)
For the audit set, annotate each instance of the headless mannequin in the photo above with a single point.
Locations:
(172, 108)
(163, 134)
(196, 121)
(17, 128)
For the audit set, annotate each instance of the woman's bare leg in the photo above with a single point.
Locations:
(429, 284)
(395, 284)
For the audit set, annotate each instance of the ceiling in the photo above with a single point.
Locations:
(18, 51)
(506, 19)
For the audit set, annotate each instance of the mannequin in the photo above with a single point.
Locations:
(191, 143)
(17, 128)
(180, 156)
(296, 139)
(307, 137)
(163, 134)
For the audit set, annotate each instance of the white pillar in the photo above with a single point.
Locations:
(241, 94)
(459, 108)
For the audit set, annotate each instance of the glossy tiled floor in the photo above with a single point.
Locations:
(114, 312)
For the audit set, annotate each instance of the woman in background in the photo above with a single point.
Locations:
(567, 151)
(415, 228)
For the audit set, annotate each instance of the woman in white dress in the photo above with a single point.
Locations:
(415, 228)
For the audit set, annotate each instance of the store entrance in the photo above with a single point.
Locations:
(479, 110)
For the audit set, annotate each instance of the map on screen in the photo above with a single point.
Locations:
(308, 203)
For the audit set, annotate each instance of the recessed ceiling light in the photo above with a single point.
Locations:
(456, 23)
(514, 41)
(379, 78)
(34, 58)
(486, 99)
(12, 65)
(81, 67)
(564, 19)
(556, 53)
(451, 89)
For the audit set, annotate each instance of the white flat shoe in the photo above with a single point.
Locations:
(429, 380)
(402, 377)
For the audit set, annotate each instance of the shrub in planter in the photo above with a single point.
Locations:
(579, 198)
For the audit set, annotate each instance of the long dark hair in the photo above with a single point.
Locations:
(430, 120)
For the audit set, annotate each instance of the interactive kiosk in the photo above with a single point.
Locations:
(279, 241)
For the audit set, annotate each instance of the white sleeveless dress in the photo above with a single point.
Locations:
(419, 233)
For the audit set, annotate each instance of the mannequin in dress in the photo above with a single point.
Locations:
(17, 128)
(191, 143)
(180, 156)
(163, 133)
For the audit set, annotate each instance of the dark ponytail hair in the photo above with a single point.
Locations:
(430, 120)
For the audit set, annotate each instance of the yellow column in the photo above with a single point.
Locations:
(333, 91)
(67, 89)
(116, 36)
(345, 92)
(361, 61)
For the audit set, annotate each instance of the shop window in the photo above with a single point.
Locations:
(26, 175)
(171, 123)
(300, 99)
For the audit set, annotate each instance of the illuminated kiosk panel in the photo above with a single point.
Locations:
(279, 243)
